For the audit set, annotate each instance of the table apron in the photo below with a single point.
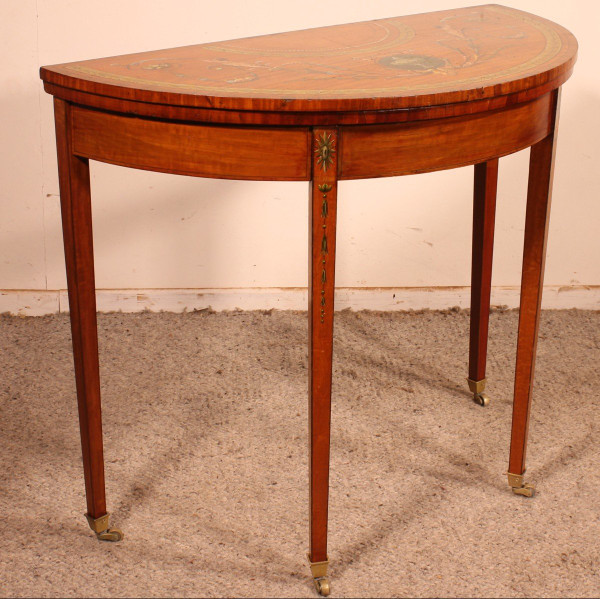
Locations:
(403, 149)
(285, 153)
(220, 152)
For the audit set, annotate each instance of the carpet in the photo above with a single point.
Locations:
(205, 420)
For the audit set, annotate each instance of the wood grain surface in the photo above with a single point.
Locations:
(386, 150)
(321, 286)
(537, 220)
(413, 61)
(485, 186)
(76, 212)
(192, 149)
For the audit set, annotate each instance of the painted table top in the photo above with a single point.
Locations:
(417, 60)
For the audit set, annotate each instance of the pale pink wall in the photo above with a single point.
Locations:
(159, 231)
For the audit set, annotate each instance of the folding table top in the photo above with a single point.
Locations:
(412, 61)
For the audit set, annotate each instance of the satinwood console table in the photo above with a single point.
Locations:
(375, 99)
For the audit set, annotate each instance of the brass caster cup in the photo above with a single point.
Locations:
(477, 388)
(322, 586)
(519, 487)
(525, 490)
(482, 399)
(102, 530)
(112, 534)
(319, 573)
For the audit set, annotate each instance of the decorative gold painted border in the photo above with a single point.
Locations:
(551, 49)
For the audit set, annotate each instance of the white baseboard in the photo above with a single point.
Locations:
(38, 303)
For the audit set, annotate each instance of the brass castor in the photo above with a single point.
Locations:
(477, 388)
(102, 530)
(482, 399)
(319, 573)
(322, 586)
(519, 487)
(112, 534)
(525, 490)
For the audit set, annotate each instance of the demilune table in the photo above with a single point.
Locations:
(379, 98)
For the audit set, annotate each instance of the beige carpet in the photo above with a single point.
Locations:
(205, 420)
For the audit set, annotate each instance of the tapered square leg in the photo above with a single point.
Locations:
(75, 199)
(541, 167)
(484, 212)
(322, 235)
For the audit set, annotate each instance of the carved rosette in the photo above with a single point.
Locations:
(324, 150)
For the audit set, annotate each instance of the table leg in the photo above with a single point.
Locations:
(541, 167)
(75, 199)
(484, 211)
(322, 229)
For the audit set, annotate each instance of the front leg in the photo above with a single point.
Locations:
(322, 226)
(76, 210)
(539, 192)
